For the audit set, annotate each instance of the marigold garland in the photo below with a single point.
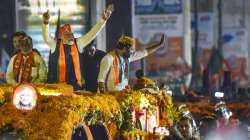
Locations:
(54, 117)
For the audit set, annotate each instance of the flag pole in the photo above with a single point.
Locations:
(195, 68)
(58, 24)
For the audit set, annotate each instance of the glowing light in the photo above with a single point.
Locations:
(25, 97)
(169, 92)
(51, 93)
(162, 131)
(67, 7)
(144, 103)
(152, 122)
(219, 94)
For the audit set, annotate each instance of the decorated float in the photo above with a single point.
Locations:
(56, 112)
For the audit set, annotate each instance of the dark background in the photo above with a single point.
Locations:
(7, 24)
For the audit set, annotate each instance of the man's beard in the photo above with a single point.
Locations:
(26, 51)
(70, 42)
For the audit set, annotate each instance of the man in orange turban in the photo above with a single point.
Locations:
(64, 62)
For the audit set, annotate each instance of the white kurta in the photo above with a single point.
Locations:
(82, 41)
(106, 73)
(38, 72)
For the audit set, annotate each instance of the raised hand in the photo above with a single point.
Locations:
(153, 48)
(108, 11)
(46, 17)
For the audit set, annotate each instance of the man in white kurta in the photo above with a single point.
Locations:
(113, 76)
(64, 60)
(107, 68)
(27, 65)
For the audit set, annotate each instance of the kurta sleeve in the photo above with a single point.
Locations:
(42, 70)
(49, 40)
(105, 67)
(10, 78)
(138, 55)
(87, 38)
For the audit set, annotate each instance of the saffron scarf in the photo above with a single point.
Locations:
(118, 67)
(62, 63)
(87, 131)
(26, 67)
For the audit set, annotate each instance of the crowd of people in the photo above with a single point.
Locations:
(75, 61)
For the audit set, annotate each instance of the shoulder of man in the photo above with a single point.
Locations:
(108, 57)
(36, 52)
(37, 57)
(13, 56)
(15, 52)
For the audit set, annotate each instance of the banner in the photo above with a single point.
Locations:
(235, 42)
(145, 27)
(156, 17)
(151, 19)
(235, 51)
(205, 28)
(149, 7)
